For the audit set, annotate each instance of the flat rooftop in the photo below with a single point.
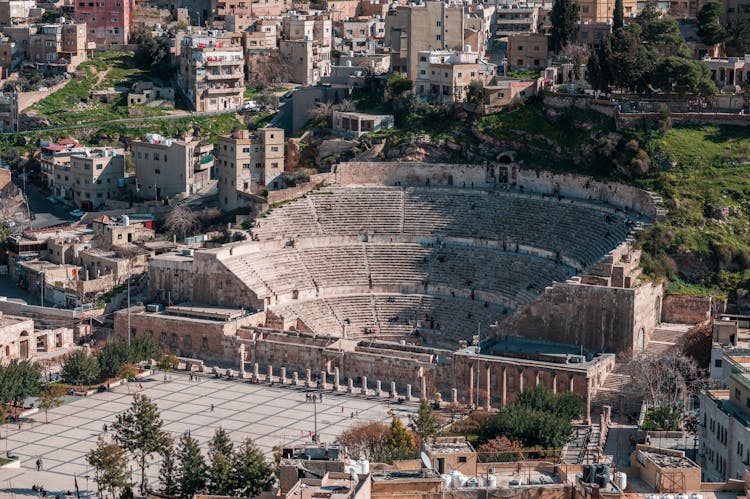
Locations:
(667, 461)
(534, 350)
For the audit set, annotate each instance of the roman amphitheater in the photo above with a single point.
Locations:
(396, 272)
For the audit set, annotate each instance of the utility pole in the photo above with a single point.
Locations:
(477, 347)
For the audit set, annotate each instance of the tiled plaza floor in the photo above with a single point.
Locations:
(269, 415)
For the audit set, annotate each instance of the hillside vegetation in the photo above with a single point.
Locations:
(703, 173)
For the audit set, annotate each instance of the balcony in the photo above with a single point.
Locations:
(224, 90)
(225, 61)
(222, 76)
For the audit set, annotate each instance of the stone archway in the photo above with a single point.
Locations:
(640, 342)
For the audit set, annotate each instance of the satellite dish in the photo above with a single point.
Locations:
(425, 460)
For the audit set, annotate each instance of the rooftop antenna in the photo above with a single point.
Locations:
(425, 460)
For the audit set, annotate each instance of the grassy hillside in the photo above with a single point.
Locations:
(703, 173)
(73, 104)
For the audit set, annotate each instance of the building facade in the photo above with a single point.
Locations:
(165, 168)
(211, 71)
(108, 22)
(246, 162)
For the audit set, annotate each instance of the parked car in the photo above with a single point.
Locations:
(77, 213)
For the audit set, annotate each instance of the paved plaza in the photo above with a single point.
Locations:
(269, 415)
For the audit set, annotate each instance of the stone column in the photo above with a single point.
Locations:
(488, 376)
(335, 379)
(394, 393)
(364, 386)
(408, 392)
(378, 389)
(536, 381)
(256, 370)
(323, 380)
(571, 383)
(295, 378)
(282, 376)
(454, 395)
(423, 389)
(504, 387)
(350, 389)
(554, 382)
(520, 380)
(242, 361)
(308, 377)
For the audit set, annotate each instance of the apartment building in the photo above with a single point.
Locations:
(58, 47)
(95, 175)
(8, 111)
(308, 27)
(16, 11)
(444, 75)
(165, 167)
(359, 34)
(9, 57)
(257, 8)
(248, 161)
(54, 158)
(411, 29)
(725, 424)
(528, 51)
(109, 22)
(517, 18)
(308, 60)
(211, 71)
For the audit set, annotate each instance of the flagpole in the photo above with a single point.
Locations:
(75, 482)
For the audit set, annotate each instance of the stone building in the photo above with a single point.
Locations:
(432, 25)
(95, 175)
(725, 423)
(13, 12)
(356, 124)
(16, 338)
(517, 18)
(247, 163)
(444, 76)
(528, 51)
(211, 72)
(8, 111)
(165, 168)
(308, 60)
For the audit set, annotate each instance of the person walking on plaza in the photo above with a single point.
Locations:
(39, 464)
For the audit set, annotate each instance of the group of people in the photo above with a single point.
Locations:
(311, 397)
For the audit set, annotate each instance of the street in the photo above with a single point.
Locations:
(46, 213)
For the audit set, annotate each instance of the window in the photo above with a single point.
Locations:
(157, 171)
(717, 363)
(274, 148)
(274, 165)
(163, 338)
(99, 167)
(119, 236)
(439, 23)
(145, 155)
(520, 48)
(437, 37)
(156, 156)
(245, 165)
(245, 149)
(461, 459)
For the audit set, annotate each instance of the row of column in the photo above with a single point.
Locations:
(487, 375)
(270, 376)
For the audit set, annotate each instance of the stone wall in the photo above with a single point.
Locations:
(300, 189)
(602, 319)
(481, 176)
(586, 102)
(686, 309)
(26, 99)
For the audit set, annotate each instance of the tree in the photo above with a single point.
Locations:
(18, 381)
(50, 396)
(168, 468)
(220, 463)
(683, 76)
(710, 27)
(127, 371)
(168, 361)
(663, 379)
(597, 71)
(181, 222)
(109, 463)
(191, 468)
(540, 398)
(398, 85)
(630, 61)
(80, 368)
(252, 473)
(400, 442)
(154, 54)
(475, 92)
(365, 440)
(139, 431)
(498, 450)
(563, 16)
(424, 424)
(738, 37)
(618, 16)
